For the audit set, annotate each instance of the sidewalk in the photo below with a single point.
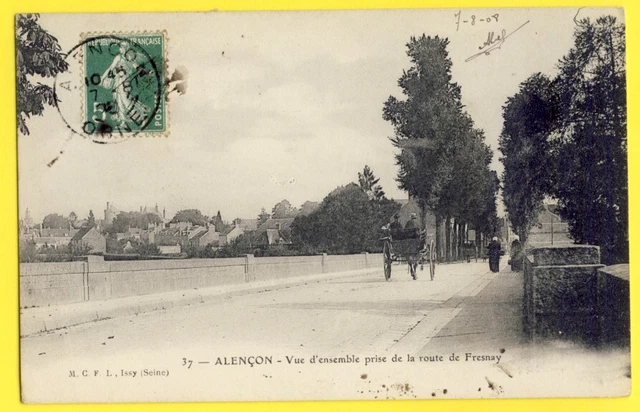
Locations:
(490, 323)
(48, 318)
(490, 318)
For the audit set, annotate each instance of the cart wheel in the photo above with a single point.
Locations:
(413, 267)
(386, 256)
(432, 260)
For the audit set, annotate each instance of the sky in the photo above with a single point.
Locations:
(279, 105)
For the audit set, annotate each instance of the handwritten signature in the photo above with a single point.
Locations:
(494, 42)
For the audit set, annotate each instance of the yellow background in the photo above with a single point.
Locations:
(9, 337)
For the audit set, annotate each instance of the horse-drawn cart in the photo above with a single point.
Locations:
(410, 246)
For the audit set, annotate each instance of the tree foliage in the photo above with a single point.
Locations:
(91, 219)
(369, 183)
(426, 120)
(308, 207)
(529, 117)
(347, 221)
(443, 159)
(190, 215)
(28, 251)
(283, 209)
(219, 224)
(591, 183)
(566, 138)
(125, 220)
(38, 54)
(55, 221)
(263, 216)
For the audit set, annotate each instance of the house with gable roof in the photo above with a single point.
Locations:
(89, 237)
(240, 227)
(274, 232)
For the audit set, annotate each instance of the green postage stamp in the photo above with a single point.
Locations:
(124, 76)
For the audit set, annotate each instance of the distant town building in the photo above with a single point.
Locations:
(181, 225)
(172, 236)
(48, 237)
(55, 232)
(110, 213)
(132, 233)
(274, 232)
(240, 227)
(549, 229)
(51, 241)
(205, 238)
(89, 237)
(170, 249)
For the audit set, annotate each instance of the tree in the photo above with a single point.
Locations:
(55, 221)
(27, 222)
(73, 217)
(566, 138)
(219, 223)
(113, 246)
(80, 250)
(190, 215)
(308, 207)
(91, 220)
(263, 216)
(443, 160)
(37, 54)
(148, 249)
(283, 209)
(369, 183)
(591, 185)
(427, 122)
(529, 117)
(347, 221)
(124, 220)
(28, 251)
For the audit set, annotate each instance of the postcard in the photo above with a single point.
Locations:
(323, 205)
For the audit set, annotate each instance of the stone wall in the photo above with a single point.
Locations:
(561, 292)
(614, 304)
(47, 284)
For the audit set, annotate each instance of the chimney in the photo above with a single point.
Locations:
(107, 205)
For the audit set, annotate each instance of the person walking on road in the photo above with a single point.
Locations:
(495, 251)
(516, 255)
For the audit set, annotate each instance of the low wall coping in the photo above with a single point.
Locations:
(620, 271)
(564, 255)
(588, 265)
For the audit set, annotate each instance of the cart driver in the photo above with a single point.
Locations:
(413, 222)
(396, 222)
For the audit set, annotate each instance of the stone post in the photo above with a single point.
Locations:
(249, 267)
